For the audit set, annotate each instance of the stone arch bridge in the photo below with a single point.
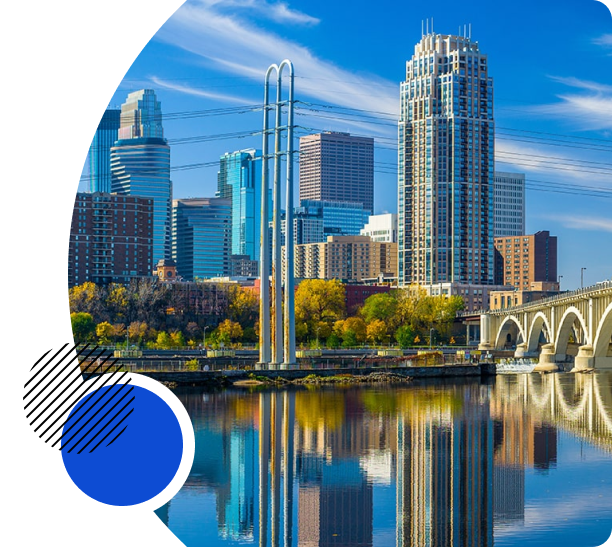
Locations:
(570, 327)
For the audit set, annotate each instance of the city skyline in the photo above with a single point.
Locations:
(563, 98)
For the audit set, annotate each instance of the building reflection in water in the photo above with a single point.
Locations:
(300, 467)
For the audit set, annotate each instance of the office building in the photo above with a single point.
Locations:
(111, 239)
(239, 180)
(509, 204)
(523, 260)
(346, 218)
(140, 163)
(201, 237)
(99, 151)
(337, 167)
(446, 161)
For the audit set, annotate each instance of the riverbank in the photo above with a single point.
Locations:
(317, 376)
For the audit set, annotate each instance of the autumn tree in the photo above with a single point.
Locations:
(318, 301)
(377, 331)
(229, 331)
(104, 332)
(243, 306)
(382, 306)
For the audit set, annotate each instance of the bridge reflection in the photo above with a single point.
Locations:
(314, 467)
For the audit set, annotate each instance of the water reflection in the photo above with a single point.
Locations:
(430, 465)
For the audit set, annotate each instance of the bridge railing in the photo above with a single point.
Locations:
(564, 296)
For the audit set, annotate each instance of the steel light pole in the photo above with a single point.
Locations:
(582, 277)
(431, 331)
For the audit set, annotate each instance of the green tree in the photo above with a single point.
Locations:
(83, 327)
(381, 306)
(405, 336)
(177, 339)
(163, 340)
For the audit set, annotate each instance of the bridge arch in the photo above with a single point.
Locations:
(510, 325)
(571, 315)
(537, 327)
(604, 334)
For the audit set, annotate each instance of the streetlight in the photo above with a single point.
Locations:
(431, 331)
(205, 327)
(582, 277)
(559, 281)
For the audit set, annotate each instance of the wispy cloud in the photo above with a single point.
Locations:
(230, 44)
(587, 223)
(197, 92)
(590, 110)
(279, 12)
(604, 40)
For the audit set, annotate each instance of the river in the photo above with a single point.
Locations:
(514, 460)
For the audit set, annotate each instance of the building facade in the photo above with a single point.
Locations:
(337, 167)
(201, 237)
(446, 162)
(239, 180)
(509, 204)
(140, 163)
(111, 239)
(348, 258)
(339, 218)
(523, 260)
(381, 228)
(99, 151)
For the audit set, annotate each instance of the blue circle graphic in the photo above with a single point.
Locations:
(122, 445)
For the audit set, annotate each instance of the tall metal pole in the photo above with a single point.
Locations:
(264, 251)
(277, 280)
(289, 324)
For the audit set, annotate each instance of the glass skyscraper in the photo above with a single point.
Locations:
(446, 163)
(201, 237)
(99, 151)
(140, 163)
(239, 179)
(339, 218)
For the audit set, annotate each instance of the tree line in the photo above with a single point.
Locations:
(156, 315)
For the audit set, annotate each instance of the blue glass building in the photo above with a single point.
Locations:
(201, 237)
(140, 163)
(339, 218)
(99, 151)
(239, 179)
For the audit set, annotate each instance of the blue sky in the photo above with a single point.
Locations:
(551, 62)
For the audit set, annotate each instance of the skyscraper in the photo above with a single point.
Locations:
(337, 167)
(140, 163)
(446, 155)
(99, 151)
(509, 200)
(201, 237)
(239, 179)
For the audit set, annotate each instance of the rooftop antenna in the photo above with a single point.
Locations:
(432, 28)
(422, 28)
(470, 31)
(427, 26)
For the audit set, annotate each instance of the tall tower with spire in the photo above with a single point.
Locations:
(140, 163)
(446, 164)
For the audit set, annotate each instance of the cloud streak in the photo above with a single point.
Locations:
(587, 223)
(280, 12)
(197, 92)
(232, 45)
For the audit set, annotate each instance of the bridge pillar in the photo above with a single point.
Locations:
(584, 360)
(485, 332)
(548, 359)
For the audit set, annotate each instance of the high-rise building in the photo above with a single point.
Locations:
(239, 180)
(99, 151)
(339, 217)
(509, 204)
(337, 167)
(201, 237)
(446, 161)
(523, 260)
(111, 239)
(140, 163)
